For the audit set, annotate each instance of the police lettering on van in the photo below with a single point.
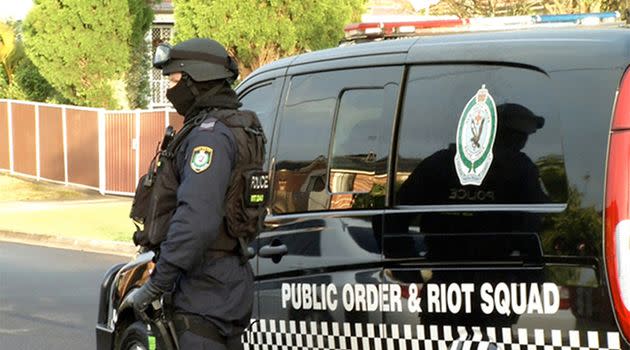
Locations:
(504, 298)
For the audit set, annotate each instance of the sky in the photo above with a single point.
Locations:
(14, 9)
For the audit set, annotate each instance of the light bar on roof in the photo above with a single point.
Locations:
(368, 31)
(578, 18)
(505, 21)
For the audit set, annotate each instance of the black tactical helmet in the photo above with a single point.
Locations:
(202, 59)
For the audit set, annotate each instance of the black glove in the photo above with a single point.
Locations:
(140, 298)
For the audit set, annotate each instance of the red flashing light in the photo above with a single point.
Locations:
(401, 27)
(361, 26)
(617, 211)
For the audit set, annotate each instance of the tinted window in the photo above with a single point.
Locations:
(262, 100)
(353, 100)
(360, 145)
(479, 135)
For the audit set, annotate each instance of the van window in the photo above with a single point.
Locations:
(350, 101)
(261, 99)
(479, 135)
(361, 140)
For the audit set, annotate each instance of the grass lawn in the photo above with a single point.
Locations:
(102, 221)
(13, 188)
(106, 220)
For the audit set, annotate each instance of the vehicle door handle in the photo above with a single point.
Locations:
(270, 251)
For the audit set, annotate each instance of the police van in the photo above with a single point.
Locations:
(438, 192)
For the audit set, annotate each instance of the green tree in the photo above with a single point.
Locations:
(485, 8)
(20, 79)
(81, 47)
(11, 51)
(616, 5)
(32, 86)
(257, 32)
(137, 80)
(572, 6)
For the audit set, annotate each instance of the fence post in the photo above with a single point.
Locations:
(137, 146)
(102, 149)
(64, 128)
(10, 118)
(37, 144)
(166, 121)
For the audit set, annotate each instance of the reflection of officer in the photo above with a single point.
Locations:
(513, 179)
(213, 290)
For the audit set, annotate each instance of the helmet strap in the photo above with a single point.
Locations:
(190, 85)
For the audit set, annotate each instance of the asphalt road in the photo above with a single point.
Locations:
(49, 297)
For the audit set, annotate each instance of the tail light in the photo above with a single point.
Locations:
(617, 211)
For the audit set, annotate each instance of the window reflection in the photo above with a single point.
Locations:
(314, 172)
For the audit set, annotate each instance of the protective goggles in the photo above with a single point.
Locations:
(162, 56)
(165, 53)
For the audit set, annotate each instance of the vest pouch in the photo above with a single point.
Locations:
(140, 204)
(163, 202)
(245, 204)
(257, 190)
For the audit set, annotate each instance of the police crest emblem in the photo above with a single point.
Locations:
(201, 158)
(476, 132)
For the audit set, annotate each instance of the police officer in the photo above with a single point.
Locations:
(212, 288)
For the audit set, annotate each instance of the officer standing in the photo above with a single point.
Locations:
(212, 285)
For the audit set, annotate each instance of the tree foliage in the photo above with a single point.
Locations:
(11, 50)
(572, 6)
(485, 8)
(137, 80)
(490, 8)
(80, 46)
(20, 79)
(257, 32)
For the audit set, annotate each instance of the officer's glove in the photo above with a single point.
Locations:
(140, 298)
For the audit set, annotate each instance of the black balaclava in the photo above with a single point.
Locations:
(189, 97)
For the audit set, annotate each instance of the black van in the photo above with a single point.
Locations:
(445, 192)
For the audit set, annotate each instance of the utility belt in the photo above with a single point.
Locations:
(205, 329)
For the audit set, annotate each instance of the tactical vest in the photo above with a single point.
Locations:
(155, 200)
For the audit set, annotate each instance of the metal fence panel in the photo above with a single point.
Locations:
(83, 161)
(152, 126)
(120, 156)
(24, 140)
(4, 136)
(103, 150)
(51, 143)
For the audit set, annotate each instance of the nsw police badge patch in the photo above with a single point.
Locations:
(201, 158)
(475, 137)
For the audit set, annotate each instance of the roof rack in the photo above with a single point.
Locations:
(410, 27)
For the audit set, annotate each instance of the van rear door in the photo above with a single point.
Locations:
(482, 230)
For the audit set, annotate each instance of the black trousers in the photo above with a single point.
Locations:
(191, 341)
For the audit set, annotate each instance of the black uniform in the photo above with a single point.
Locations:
(218, 289)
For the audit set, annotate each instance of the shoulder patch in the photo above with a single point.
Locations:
(201, 158)
(208, 124)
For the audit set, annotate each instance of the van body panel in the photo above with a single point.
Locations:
(387, 59)
(549, 50)
(515, 263)
(354, 51)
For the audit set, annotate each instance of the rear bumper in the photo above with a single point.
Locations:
(104, 338)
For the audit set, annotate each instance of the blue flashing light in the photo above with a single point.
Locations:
(576, 18)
